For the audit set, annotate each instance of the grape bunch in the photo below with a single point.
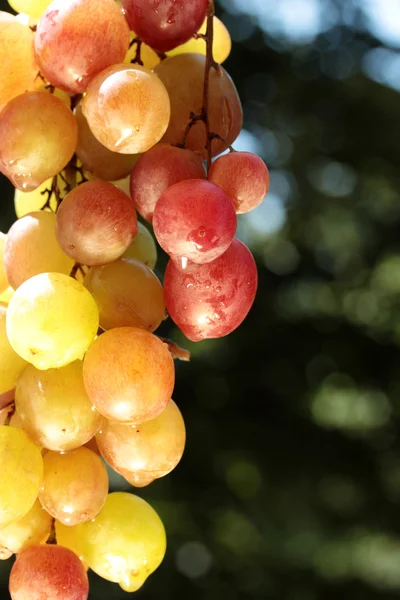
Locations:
(107, 112)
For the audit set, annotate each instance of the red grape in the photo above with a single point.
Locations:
(96, 223)
(243, 176)
(165, 24)
(213, 299)
(158, 169)
(48, 571)
(77, 39)
(194, 220)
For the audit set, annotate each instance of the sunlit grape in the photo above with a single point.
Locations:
(27, 202)
(33, 8)
(126, 542)
(11, 364)
(142, 453)
(3, 277)
(38, 136)
(74, 487)
(183, 76)
(21, 474)
(18, 68)
(68, 537)
(211, 300)
(127, 294)
(77, 39)
(127, 108)
(32, 248)
(129, 375)
(158, 169)
(243, 176)
(6, 296)
(194, 220)
(143, 248)
(96, 222)
(165, 24)
(222, 43)
(54, 407)
(48, 571)
(33, 528)
(51, 320)
(96, 158)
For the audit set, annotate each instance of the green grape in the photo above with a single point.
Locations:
(54, 408)
(3, 277)
(126, 542)
(6, 296)
(27, 202)
(11, 364)
(33, 528)
(143, 248)
(33, 8)
(51, 320)
(21, 474)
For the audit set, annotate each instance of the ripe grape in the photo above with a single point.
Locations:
(75, 485)
(21, 474)
(129, 375)
(212, 300)
(38, 136)
(51, 320)
(48, 571)
(96, 222)
(142, 453)
(96, 158)
(127, 294)
(127, 108)
(27, 202)
(77, 39)
(18, 68)
(143, 248)
(32, 248)
(243, 176)
(194, 220)
(66, 536)
(183, 77)
(3, 277)
(32, 528)
(33, 8)
(6, 296)
(222, 43)
(55, 409)
(165, 24)
(126, 542)
(157, 170)
(11, 364)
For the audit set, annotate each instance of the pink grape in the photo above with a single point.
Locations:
(77, 39)
(211, 300)
(165, 24)
(195, 221)
(38, 136)
(243, 176)
(158, 169)
(96, 222)
(48, 571)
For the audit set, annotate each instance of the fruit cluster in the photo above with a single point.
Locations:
(97, 124)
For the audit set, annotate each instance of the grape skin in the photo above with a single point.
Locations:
(3, 277)
(33, 528)
(143, 248)
(33, 8)
(222, 43)
(27, 202)
(11, 364)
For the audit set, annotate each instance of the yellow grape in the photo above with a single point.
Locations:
(3, 277)
(126, 542)
(18, 68)
(148, 56)
(55, 409)
(11, 364)
(27, 202)
(128, 294)
(33, 8)
(142, 453)
(75, 485)
(127, 108)
(33, 528)
(66, 536)
(6, 296)
(32, 248)
(143, 248)
(222, 43)
(21, 474)
(124, 185)
(63, 96)
(51, 320)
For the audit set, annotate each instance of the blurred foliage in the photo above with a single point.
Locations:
(290, 484)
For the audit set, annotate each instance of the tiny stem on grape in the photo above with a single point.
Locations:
(137, 58)
(176, 351)
(10, 411)
(54, 190)
(52, 539)
(77, 267)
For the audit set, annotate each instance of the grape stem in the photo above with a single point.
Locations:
(176, 351)
(137, 59)
(11, 410)
(54, 190)
(52, 539)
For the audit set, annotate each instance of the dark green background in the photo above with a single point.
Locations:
(290, 484)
